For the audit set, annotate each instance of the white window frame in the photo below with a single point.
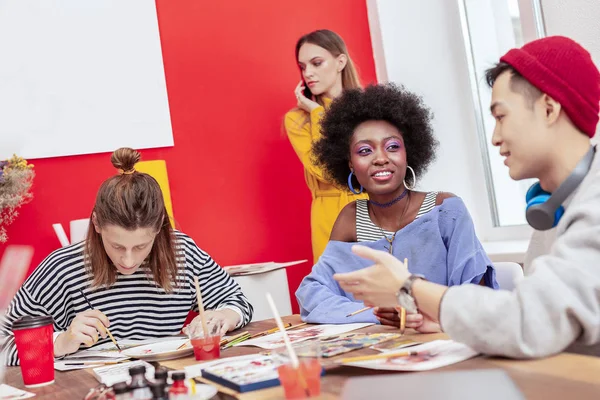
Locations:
(478, 49)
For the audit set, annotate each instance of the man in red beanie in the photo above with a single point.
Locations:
(545, 99)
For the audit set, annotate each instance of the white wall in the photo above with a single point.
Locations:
(424, 50)
(79, 77)
(577, 19)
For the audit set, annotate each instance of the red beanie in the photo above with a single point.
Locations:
(564, 70)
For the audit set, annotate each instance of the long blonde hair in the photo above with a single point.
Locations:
(131, 200)
(333, 43)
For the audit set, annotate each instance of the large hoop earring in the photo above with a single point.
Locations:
(414, 179)
(352, 187)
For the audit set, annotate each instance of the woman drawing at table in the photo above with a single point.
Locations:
(136, 271)
(326, 70)
(379, 140)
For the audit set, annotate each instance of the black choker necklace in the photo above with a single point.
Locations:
(390, 203)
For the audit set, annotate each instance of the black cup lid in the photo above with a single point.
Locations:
(120, 388)
(138, 369)
(178, 376)
(161, 373)
(28, 322)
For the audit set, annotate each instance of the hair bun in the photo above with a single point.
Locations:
(125, 158)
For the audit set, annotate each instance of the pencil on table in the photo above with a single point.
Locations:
(358, 311)
(183, 345)
(94, 363)
(295, 326)
(237, 341)
(379, 356)
(269, 331)
(232, 338)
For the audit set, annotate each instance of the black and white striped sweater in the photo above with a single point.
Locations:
(135, 305)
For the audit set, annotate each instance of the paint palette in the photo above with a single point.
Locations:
(161, 351)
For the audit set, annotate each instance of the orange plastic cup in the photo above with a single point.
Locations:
(301, 383)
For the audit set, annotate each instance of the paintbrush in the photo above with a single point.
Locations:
(107, 330)
(200, 311)
(288, 345)
(402, 310)
(358, 311)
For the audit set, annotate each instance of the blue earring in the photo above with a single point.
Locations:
(351, 186)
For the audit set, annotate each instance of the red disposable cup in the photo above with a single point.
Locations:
(35, 347)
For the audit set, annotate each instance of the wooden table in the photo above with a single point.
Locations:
(562, 376)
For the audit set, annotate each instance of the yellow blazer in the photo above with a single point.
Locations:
(303, 130)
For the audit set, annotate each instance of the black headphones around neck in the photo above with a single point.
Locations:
(544, 209)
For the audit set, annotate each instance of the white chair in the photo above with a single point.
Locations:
(508, 274)
(255, 286)
(79, 228)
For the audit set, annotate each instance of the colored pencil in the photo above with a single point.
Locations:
(296, 326)
(381, 356)
(269, 331)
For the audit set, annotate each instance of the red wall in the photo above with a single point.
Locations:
(237, 187)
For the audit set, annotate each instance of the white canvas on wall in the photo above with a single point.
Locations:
(80, 77)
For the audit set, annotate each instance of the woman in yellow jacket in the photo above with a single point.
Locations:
(326, 70)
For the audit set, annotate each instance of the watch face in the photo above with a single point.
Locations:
(407, 302)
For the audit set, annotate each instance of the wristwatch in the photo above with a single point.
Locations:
(404, 295)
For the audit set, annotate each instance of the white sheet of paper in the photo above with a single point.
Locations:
(67, 365)
(275, 340)
(9, 392)
(108, 351)
(436, 354)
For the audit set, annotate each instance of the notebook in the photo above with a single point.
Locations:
(491, 384)
(244, 373)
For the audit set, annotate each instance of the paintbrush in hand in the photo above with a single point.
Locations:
(107, 330)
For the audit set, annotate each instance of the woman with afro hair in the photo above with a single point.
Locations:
(379, 140)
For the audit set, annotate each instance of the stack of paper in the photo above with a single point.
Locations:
(258, 268)
(423, 357)
(111, 374)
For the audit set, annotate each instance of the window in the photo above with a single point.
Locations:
(490, 28)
